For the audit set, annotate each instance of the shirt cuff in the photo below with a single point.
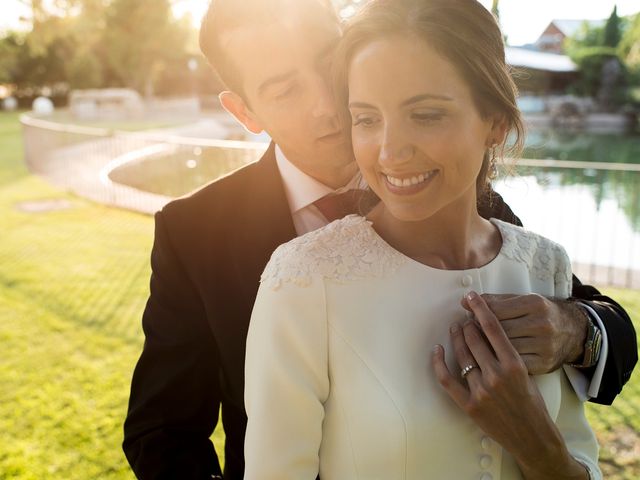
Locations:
(583, 388)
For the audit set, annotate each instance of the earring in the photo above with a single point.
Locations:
(493, 165)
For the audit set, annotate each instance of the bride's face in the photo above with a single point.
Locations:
(418, 137)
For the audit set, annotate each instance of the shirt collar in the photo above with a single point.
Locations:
(302, 189)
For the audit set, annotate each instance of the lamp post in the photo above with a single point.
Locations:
(192, 65)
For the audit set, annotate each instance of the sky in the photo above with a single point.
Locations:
(522, 20)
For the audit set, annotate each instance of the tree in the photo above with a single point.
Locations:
(603, 74)
(40, 63)
(93, 44)
(630, 44)
(9, 50)
(58, 52)
(611, 31)
(140, 38)
(495, 9)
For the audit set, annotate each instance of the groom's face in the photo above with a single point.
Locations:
(284, 66)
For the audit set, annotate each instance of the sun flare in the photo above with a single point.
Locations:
(194, 8)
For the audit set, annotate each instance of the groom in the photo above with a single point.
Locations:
(210, 247)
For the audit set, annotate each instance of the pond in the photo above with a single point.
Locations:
(594, 213)
(189, 167)
(183, 170)
(582, 146)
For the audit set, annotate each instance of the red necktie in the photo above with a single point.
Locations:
(334, 206)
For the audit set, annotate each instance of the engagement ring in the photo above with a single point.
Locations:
(465, 371)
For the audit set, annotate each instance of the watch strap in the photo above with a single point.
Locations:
(592, 346)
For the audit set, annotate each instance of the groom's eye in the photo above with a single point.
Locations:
(427, 117)
(286, 92)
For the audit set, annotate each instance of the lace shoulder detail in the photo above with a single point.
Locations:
(545, 258)
(345, 250)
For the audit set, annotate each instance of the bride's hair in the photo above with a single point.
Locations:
(463, 32)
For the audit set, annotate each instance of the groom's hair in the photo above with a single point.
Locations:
(223, 16)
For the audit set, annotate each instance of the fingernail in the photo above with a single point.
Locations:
(436, 349)
(471, 296)
(454, 328)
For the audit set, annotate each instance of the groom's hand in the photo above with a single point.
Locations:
(545, 332)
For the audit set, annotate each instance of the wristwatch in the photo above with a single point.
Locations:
(592, 346)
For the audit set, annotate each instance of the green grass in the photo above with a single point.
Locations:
(73, 284)
(72, 289)
(11, 165)
(618, 427)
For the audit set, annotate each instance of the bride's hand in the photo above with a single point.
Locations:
(502, 398)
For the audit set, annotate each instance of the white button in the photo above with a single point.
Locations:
(486, 443)
(486, 461)
(467, 281)
(486, 476)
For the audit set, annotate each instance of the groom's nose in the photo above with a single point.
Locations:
(321, 94)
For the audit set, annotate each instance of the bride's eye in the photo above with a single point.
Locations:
(364, 121)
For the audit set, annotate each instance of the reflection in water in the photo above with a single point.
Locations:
(593, 214)
(620, 187)
(582, 146)
(184, 170)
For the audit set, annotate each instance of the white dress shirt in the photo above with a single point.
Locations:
(302, 190)
(581, 384)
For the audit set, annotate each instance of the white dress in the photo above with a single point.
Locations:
(338, 376)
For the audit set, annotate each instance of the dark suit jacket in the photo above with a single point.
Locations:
(209, 251)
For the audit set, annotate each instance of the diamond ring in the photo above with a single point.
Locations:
(465, 371)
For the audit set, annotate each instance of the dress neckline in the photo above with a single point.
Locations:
(384, 244)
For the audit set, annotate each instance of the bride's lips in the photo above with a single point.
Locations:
(409, 184)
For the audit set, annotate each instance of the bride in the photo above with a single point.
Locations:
(362, 359)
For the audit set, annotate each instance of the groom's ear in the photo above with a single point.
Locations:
(236, 106)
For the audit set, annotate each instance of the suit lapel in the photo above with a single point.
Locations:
(266, 221)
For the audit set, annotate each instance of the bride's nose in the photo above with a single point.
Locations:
(395, 147)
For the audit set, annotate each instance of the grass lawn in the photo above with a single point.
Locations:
(73, 283)
(618, 426)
